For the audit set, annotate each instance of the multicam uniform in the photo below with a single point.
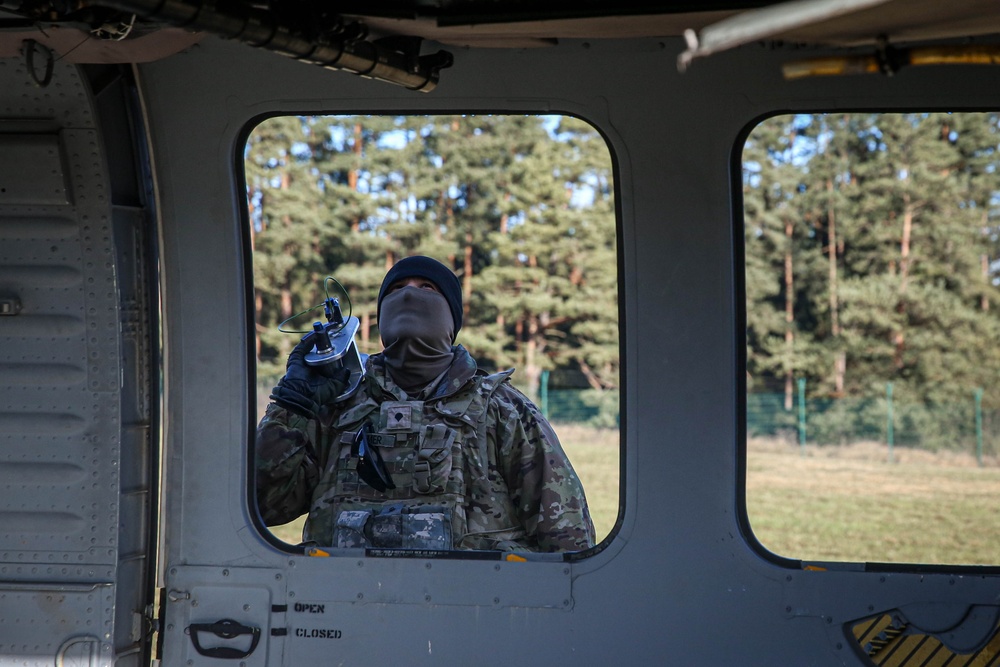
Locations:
(475, 466)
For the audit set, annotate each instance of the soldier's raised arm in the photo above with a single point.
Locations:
(285, 459)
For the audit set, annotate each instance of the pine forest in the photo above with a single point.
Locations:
(872, 246)
(871, 249)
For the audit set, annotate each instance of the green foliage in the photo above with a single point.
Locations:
(606, 410)
(872, 246)
(873, 256)
(521, 207)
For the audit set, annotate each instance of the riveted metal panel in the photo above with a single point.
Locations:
(61, 380)
(59, 370)
(435, 581)
(31, 171)
(70, 624)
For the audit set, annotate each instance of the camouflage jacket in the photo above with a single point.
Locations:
(475, 466)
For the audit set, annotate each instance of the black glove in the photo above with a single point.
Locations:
(305, 389)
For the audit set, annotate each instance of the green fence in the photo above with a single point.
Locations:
(581, 406)
(577, 406)
(959, 426)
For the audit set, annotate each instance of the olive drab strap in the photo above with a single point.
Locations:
(429, 473)
(486, 388)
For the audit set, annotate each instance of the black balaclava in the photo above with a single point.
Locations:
(419, 266)
(418, 326)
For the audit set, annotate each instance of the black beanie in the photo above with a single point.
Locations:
(419, 266)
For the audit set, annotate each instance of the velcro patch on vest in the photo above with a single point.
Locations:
(402, 416)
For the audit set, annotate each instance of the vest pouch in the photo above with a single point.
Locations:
(350, 529)
(395, 527)
(433, 465)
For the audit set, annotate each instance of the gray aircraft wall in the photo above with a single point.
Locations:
(75, 374)
(678, 583)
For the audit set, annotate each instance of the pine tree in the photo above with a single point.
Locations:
(521, 207)
(900, 211)
(290, 240)
(781, 252)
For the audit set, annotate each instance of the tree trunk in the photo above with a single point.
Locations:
(789, 317)
(899, 339)
(504, 216)
(366, 334)
(839, 372)
(467, 274)
(258, 301)
(286, 303)
(840, 361)
(984, 300)
(904, 244)
(352, 176)
(519, 339)
(831, 221)
(449, 221)
(532, 371)
(592, 378)
(984, 261)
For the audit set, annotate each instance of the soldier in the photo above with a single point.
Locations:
(429, 453)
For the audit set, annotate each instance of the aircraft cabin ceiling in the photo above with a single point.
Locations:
(165, 26)
(830, 22)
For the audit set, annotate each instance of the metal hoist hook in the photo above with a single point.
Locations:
(29, 48)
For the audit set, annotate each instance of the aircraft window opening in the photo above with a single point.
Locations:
(521, 210)
(872, 285)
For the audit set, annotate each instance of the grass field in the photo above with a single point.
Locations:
(830, 503)
(851, 504)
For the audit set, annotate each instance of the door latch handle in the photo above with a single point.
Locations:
(224, 629)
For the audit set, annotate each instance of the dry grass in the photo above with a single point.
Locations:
(852, 504)
(831, 503)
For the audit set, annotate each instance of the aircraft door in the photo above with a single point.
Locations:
(76, 411)
(219, 615)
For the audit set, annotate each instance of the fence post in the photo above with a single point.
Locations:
(979, 426)
(543, 394)
(890, 436)
(802, 416)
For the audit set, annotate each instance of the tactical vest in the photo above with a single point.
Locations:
(449, 493)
